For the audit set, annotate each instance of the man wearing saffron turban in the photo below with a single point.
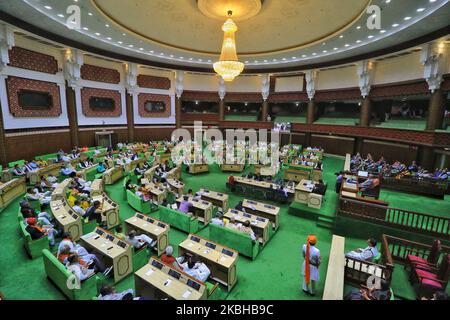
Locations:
(310, 268)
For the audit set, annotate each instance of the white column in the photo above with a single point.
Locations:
(6, 44)
(365, 70)
(434, 57)
(310, 76)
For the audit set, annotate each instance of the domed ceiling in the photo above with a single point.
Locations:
(272, 35)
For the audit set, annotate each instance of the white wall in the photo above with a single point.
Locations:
(201, 82)
(289, 84)
(346, 77)
(245, 84)
(11, 122)
(404, 68)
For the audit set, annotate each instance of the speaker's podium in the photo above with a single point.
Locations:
(105, 138)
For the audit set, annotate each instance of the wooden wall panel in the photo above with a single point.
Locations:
(390, 151)
(87, 138)
(333, 144)
(158, 133)
(28, 146)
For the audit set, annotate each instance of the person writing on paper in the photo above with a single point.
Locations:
(138, 241)
(366, 254)
(310, 268)
(218, 219)
(197, 270)
(80, 271)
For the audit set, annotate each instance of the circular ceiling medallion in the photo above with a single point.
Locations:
(265, 27)
(218, 9)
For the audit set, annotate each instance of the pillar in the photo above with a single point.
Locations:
(358, 146)
(3, 157)
(178, 112)
(222, 110)
(265, 110)
(311, 115)
(436, 111)
(130, 116)
(72, 115)
(366, 109)
(426, 157)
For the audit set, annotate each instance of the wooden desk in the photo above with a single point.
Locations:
(350, 187)
(66, 219)
(6, 175)
(155, 229)
(97, 187)
(221, 261)
(109, 210)
(298, 173)
(198, 168)
(35, 176)
(158, 193)
(259, 225)
(150, 172)
(176, 186)
(267, 211)
(232, 167)
(216, 198)
(334, 283)
(112, 175)
(159, 281)
(165, 157)
(175, 173)
(111, 251)
(10, 190)
(202, 209)
(129, 167)
(60, 191)
(304, 194)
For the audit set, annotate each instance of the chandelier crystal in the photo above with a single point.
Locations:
(229, 67)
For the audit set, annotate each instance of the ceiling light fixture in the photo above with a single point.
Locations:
(229, 67)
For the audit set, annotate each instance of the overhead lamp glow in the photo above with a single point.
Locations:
(228, 66)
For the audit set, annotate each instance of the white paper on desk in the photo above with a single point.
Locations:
(145, 224)
(254, 222)
(168, 281)
(222, 258)
(190, 244)
(134, 220)
(206, 251)
(103, 245)
(187, 294)
(157, 230)
(149, 272)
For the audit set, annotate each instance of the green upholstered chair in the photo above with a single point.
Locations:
(61, 277)
(47, 157)
(178, 220)
(32, 247)
(233, 239)
(138, 204)
(19, 162)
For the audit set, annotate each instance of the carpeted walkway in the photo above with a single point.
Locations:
(275, 274)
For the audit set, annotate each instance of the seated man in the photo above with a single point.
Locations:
(66, 170)
(138, 241)
(197, 270)
(38, 232)
(102, 167)
(366, 254)
(218, 219)
(185, 205)
(94, 212)
(381, 293)
(29, 212)
(82, 253)
(31, 166)
(43, 198)
(370, 183)
(80, 271)
(108, 292)
(78, 209)
(168, 258)
(18, 171)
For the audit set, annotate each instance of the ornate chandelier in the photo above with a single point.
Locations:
(229, 67)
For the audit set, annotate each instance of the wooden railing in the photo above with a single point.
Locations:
(400, 248)
(398, 218)
(417, 186)
(357, 272)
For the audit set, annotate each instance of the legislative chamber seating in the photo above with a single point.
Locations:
(430, 279)
(233, 239)
(61, 277)
(178, 220)
(32, 247)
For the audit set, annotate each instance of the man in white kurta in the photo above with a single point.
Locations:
(311, 254)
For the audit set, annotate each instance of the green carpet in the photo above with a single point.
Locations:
(275, 274)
